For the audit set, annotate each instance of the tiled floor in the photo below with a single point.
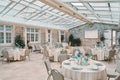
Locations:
(31, 70)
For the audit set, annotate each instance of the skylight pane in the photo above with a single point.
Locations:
(115, 20)
(103, 12)
(115, 4)
(29, 0)
(115, 16)
(15, 0)
(55, 11)
(19, 7)
(81, 8)
(77, 4)
(115, 9)
(29, 10)
(99, 4)
(46, 15)
(101, 8)
(104, 16)
(12, 12)
(92, 17)
(39, 3)
(25, 3)
(61, 13)
(106, 19)
(35, 6)
(84, 11)
(4, 2)
(65, 15)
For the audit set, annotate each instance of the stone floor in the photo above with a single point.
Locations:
(31, 70)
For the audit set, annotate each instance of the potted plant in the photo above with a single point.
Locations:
(74, 42)
(71, 38)
(119, 40)
(102, 39)
(19, 42)
(62, 38)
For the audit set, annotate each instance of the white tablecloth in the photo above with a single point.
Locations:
(16, 53)
(86, 73)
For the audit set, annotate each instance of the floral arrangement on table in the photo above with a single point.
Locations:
(81, 58)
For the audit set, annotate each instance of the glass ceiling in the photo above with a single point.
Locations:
(36, 12)
(105, 11)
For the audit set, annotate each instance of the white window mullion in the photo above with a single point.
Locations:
(4, 34)
(34, 35)
(30, 34)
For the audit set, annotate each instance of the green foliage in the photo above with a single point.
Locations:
(119, 40)
(74, 42)
(102, 38)
(71, 38)
(62, 38)
(19, 41)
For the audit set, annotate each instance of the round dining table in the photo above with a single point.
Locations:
(16, 53)
(93, 70)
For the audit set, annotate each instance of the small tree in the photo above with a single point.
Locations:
(71, 38)
(119, 40)
(19, 41)
(62, 38)
(78, 42)
(74, 42)
(102, 38)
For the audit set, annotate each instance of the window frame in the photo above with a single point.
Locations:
(34, 33)
(4, 31)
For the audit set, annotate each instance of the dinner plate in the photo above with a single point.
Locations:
(66, 63)
(98, 64)
(94, 68)
(76, 68)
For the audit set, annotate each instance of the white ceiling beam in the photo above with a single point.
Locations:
(66, 9)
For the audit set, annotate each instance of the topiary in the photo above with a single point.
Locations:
(19, 42)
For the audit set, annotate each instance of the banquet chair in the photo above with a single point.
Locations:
(117, 54)
(27, 54)
(6, 56)
(116, 72)
(117, 77)
(46, 55)
(37, 48)
(62, 57)
(56, 75)
(111, 55)
(48, 66)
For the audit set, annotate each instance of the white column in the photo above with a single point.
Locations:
(46, 32)
(51, 37)
(39, 37)
(59, 36)
(13, 35)
(25, 36)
